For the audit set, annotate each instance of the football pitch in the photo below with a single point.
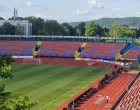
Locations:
(51, 85)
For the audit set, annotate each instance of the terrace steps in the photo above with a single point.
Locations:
(131, 100)
(132, 54)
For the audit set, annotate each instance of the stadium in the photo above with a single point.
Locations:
(75, 73)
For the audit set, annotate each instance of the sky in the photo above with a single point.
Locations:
(71, 10)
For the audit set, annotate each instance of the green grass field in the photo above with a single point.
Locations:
(51, 85)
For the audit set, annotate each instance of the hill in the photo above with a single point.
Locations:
(106, 22)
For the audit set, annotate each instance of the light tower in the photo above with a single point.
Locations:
(15, 14)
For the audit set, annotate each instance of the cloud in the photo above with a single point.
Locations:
(116, 9)
(138, 13)
(81, 12)
(39, 15)
(109, 14)
(113, 14)
(29, 4)
(3, 8)
(96, 17)
(94, 4)
(42, 15)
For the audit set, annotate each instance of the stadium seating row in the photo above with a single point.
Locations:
(102, 49)
(131, 100)
(17, 48)
(132, 54)
(61, 49)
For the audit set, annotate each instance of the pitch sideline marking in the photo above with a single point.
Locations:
(68, 92)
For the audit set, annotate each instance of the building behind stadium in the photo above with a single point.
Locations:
(24, 26)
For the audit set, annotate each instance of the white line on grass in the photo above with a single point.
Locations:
(69, 91)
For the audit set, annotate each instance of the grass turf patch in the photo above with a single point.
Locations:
(51, 85)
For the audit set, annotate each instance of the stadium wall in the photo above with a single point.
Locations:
(65, 62)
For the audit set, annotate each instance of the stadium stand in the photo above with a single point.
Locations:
(17, 48)
(101, 50)
(131, 100)
(106, 51)
(132, 54)
(59, 49)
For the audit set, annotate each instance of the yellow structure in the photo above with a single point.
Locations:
(76, 54)
(126, 53)
(119, 55)
(36, 52)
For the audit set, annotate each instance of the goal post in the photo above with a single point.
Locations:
(32, 61)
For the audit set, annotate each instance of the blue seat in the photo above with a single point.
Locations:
(50, 54)
(91, 57)
(72, 55)
(30, 54)
(105, 57)
(98, 57)
(112, 58)
(57, 55)
(83, 56)
(15, 54)
(63, 55)
(22, 54)
(42, 55)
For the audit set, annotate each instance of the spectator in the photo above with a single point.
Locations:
(107, 99)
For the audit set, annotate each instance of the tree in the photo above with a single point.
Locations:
(42, 32)
(5, 66)
(91, 29)
(16, 102)
(18, 18)
(138, 33)
(8, 101)
(68, 30)
(37, 25)
(78, 32)
(8, 29)
(1, 31)
(1, 18)
(127, 32)
(99, 31)
(53, 27)
(106, 31)
(115, 30)
(80, 29)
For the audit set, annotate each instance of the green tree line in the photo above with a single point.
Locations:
(52, 27)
